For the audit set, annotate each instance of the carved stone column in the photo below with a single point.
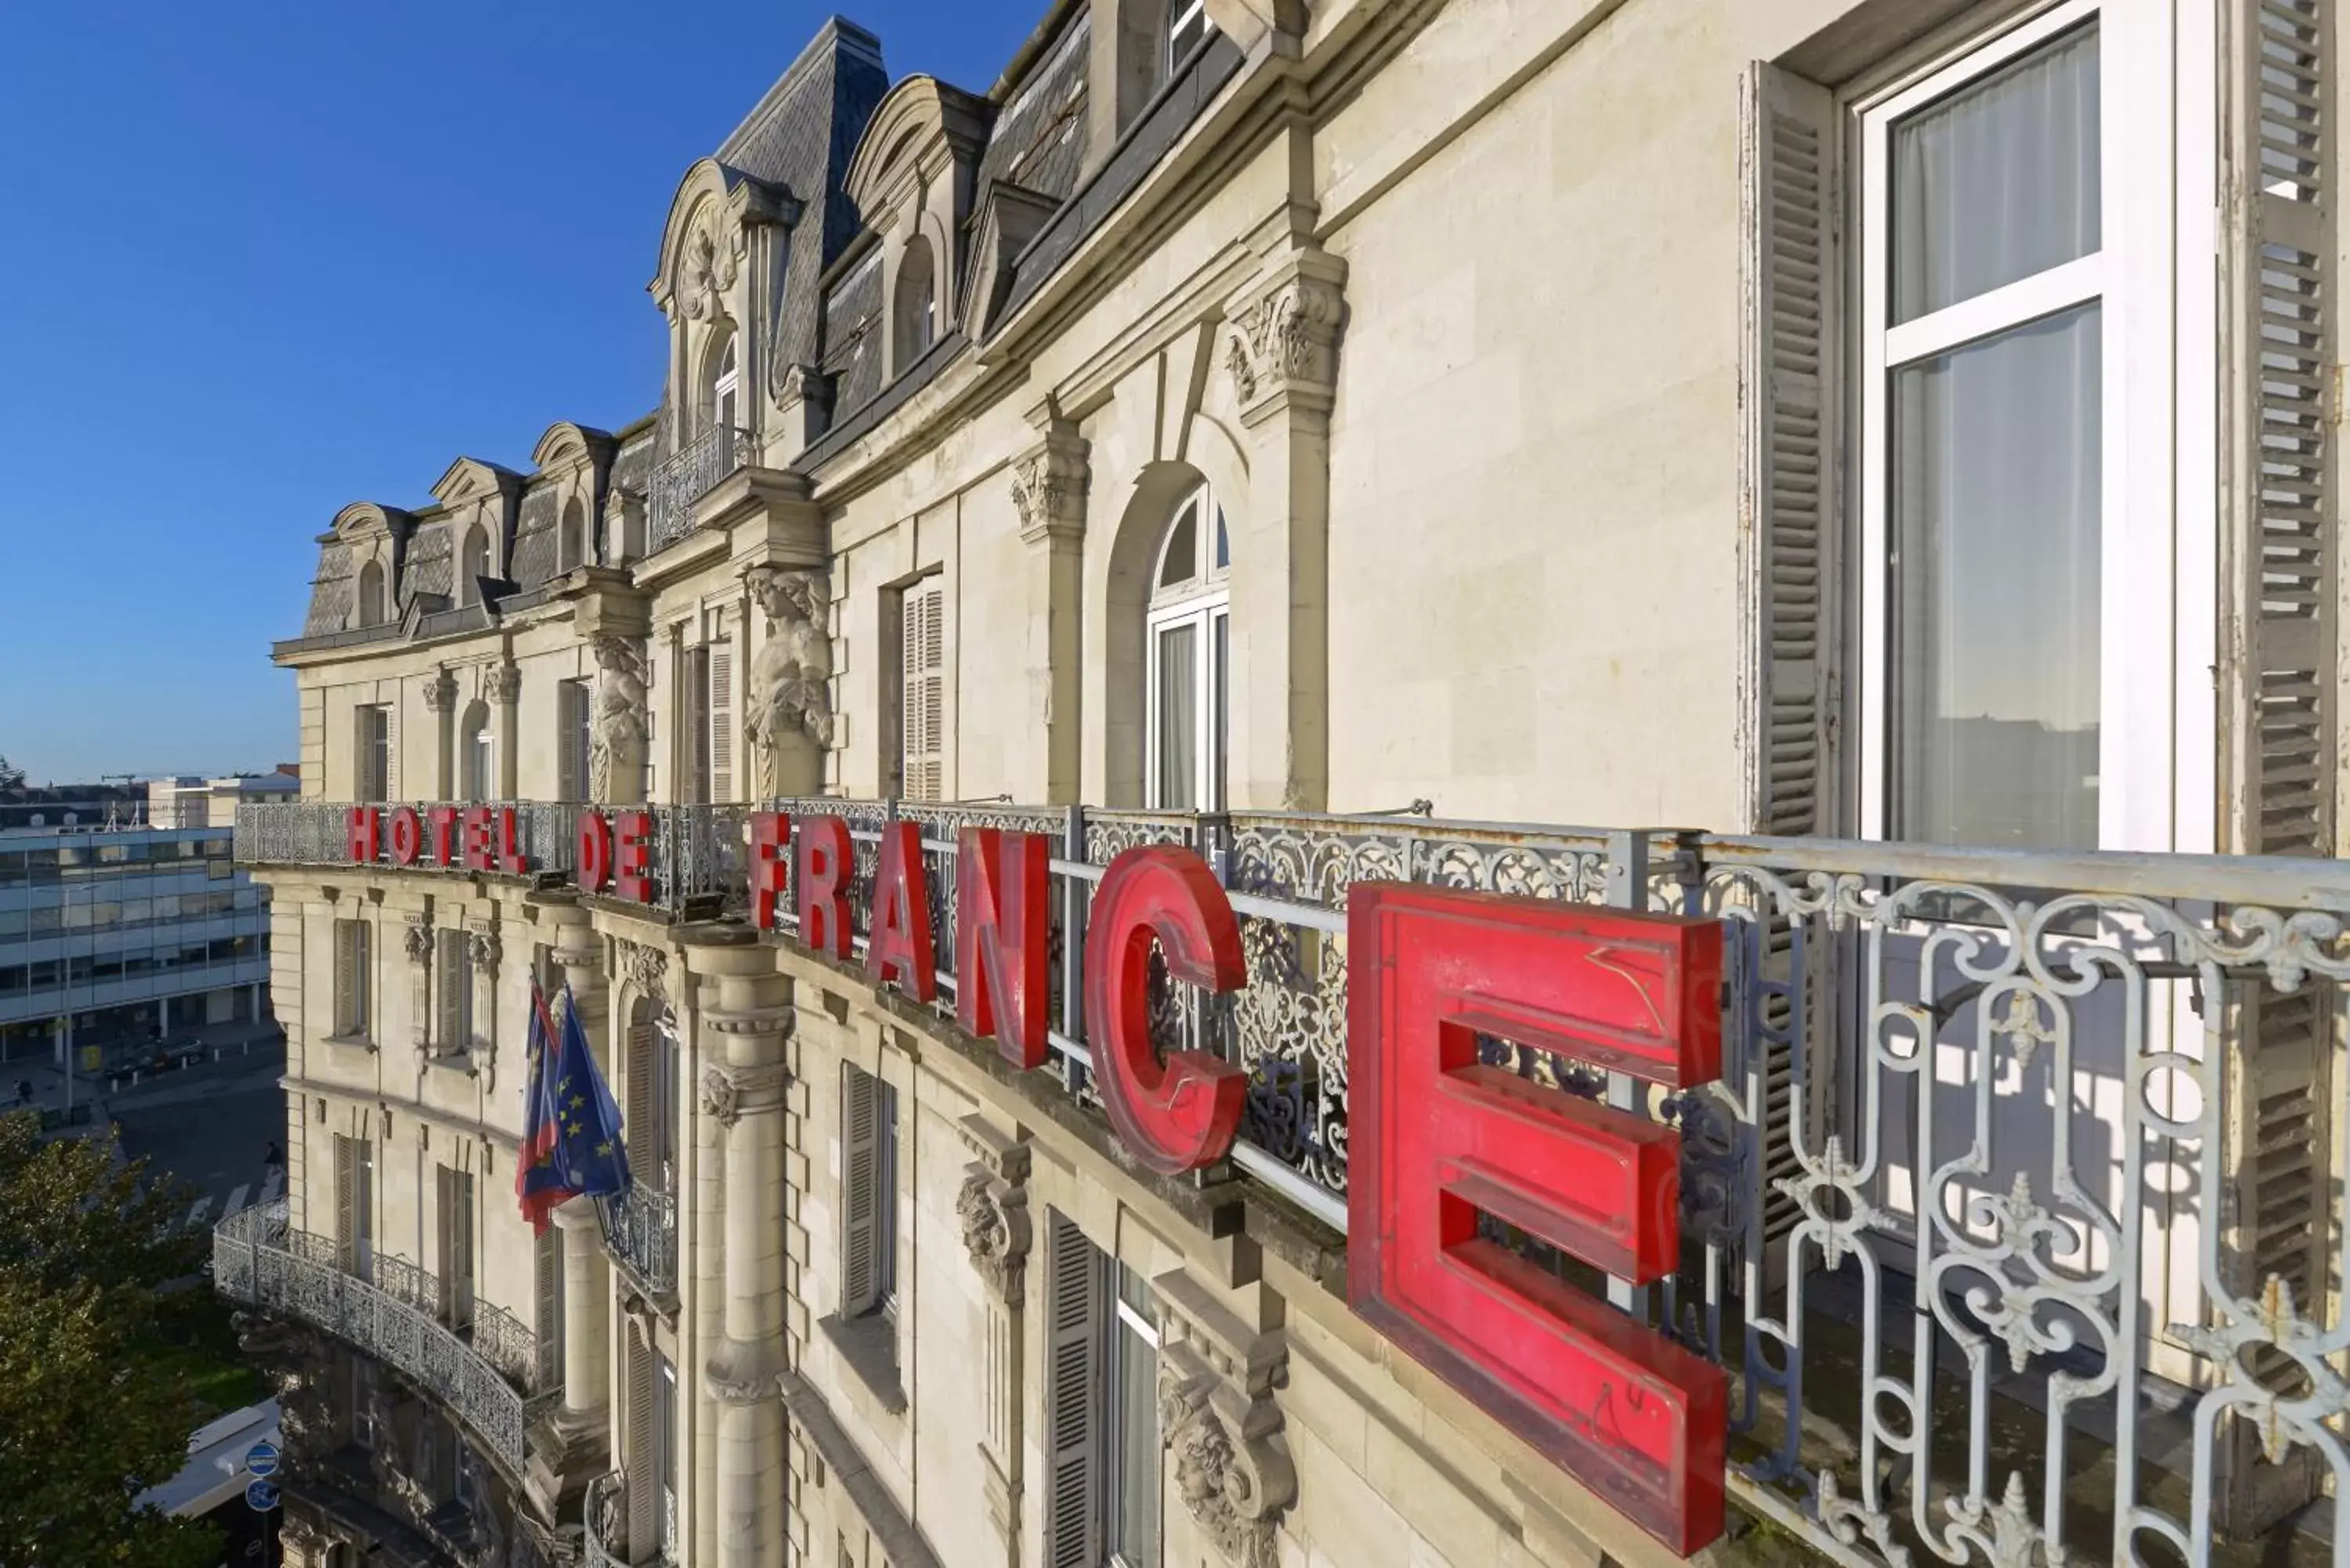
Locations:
(789, 719)
(1049, 487)
(416, 943)
(300, 1543)
(440, 701)
(1217, 1374)
(587, 1315)
(1282, 355)
(751, 1016)
(502, 686)
(621, 722)
(996, 1232)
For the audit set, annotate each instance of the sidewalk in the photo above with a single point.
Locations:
(232, 1050)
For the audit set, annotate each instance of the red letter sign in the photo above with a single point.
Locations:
(477, 839)
(443, 821)
(632, 834)
(1437, 1139)
(366, 834)
(898, 946)
(407, 836)
(1182, 1115)
(510, 856)
(1002, 937)
(595, 852)
(770, 831)
(821, 868)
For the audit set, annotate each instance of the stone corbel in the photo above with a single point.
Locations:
(993, 1208)
(1049, 487)
(441, 692)
(416, 941)
(1218, 1416)
(730, 1093)
(1282, 350)
(803, 397)
(646, 969)
(486, 953)
(501, 683)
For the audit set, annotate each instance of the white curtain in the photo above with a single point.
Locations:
(1179, 718)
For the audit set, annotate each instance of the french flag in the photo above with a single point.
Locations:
(538, 1180)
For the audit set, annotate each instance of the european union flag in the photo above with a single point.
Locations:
(589, 1157)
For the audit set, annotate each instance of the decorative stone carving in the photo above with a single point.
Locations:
(1049, 487)
(1286, 340)
(441, 692)
(418, 940)
(709, 274)
(646, 969)
(791, 678)
(616, 736)
(1216, 1415)
(486, 951)
(730, 1388)
(718, 1097)
(502, 684)
(995, 1231)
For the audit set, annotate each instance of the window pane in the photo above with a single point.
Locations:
(1998, 180)
(1135, 1528)
(1182, 560)
(1994, 624)
(1179, 718)
(1220, 716)
(1223, 546)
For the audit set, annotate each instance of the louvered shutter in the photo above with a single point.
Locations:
(722, 720)
(547, 1299)
(637, 1133)
(1074, 1408)
(347, 1202)
(569, 780)
(860, 1192)
(448, 995)
(1789, 488)
(2280, 492)
(641, 1465)
(922, 698)
(346, 977)
(391, 777)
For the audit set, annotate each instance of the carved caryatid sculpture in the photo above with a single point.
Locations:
(615, 739)
(791, 678)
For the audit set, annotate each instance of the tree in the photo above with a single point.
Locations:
(11, 778)
(90, 1416)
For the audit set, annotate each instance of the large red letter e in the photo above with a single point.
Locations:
(1439, 1139)
(1182, 1115)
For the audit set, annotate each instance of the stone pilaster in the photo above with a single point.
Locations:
(1049, 488)
(1217, 1369)
(744, 1091)
(416, 946)
(502, 686)
(993, 1208)
(486, 953)
(440, 701)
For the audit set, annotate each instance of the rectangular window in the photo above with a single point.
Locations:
(719, 660)
(456, 1210)
(353, 974)
(918, 684)
(868, 1271)
(363, 1383)
(575, 704)
(355, 1205)
(1134, 1458)
(372, 734)
(1103, 1491)
(453, 980)
(665, 1451)
(693, 734)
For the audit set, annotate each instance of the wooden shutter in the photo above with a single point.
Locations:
(568, 782)
(722, 720)
(639, 1463)
(448, 995)
(347, 1202)
(1790, 482)
(860, 1197)
(693, 735)
(1074, 1408)
(347, 963)
(2280, 494)
(637, 1134)
(547, 1300)
(391, 711)
(921, 657)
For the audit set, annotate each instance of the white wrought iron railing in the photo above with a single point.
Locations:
(484, 1372)
(686, 478)
(2016, 1216)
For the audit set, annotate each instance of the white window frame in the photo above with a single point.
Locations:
(481, 756)
(2145, 713)
(1124, 1320)
(1203, 601)
(1181, 14)
(725, 387)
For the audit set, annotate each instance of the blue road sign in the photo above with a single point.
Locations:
(260, 1496)
(262, 1459)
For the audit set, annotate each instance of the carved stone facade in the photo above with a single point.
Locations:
(791, 678)
(621, 720)
(1218, 1417)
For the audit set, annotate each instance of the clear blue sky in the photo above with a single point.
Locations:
(261, 260)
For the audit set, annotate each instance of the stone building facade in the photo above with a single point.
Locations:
(1266, 425)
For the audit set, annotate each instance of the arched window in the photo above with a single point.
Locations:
(1187, 28)
(725, 387)
(571, 540)
(472, 565)
(477, 744)
(1187, 639)
(916, 310)
(371, 598)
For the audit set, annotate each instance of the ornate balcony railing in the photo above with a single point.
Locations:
(483, 1375)
(640, 1229)
(319, 833)
(605, 1525)
(686, 478)
(2015, 1215)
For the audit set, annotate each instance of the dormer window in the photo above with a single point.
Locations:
(915, 315)
(1187, 28)
(725, 387)
(472, 565)
(371, 595)
(571, 539)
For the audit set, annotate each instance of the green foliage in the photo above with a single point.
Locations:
(95, 1406)
(11, 778)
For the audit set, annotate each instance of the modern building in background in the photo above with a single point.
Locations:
(195, 802)
(1858, 474)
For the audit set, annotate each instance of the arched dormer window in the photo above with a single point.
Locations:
(472, 565)
(571, 537)
(477, 746)
(371, 595)
(915, 313)
(1187, 28)
(1187, 640)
